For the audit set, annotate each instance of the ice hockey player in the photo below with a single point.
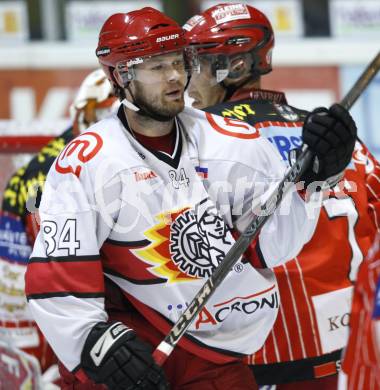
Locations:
(361, 358)
(145, 198)
(235, 43)
(18, 223)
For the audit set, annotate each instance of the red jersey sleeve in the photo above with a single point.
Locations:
(364, 160)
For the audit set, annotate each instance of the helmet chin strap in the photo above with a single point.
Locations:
(143, 111)
(129, 105)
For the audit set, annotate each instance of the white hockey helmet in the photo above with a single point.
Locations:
(94, 101)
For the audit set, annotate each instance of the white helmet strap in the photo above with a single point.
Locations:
(129, 105)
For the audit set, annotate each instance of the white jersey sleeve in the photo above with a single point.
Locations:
(294, 221)
(64, 279)
(254, 168)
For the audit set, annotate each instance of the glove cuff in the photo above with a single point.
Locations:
(309, 176)
(99, 344)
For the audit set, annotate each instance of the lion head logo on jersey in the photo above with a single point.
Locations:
(190, 246)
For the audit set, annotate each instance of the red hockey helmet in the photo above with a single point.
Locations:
(127, 38)
(230, 29)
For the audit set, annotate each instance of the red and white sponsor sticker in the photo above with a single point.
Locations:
(230, 12)
(232, 127)
(192, 22)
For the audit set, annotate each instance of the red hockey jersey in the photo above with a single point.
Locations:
(361, 360)
(316, 287)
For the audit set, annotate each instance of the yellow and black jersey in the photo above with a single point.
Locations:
(32, 175)
(266, 110)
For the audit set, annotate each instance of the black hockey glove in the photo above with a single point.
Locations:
(330, 134)
(114, 356)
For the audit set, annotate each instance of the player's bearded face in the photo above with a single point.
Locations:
(203, 87)
(160, 85)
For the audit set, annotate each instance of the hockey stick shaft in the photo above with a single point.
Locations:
(292, 176)
(361, 83)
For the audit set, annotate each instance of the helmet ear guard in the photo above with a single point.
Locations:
(123, 74)
(220, 67)
(120, 80)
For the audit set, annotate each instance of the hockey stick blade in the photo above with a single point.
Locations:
(292, 176)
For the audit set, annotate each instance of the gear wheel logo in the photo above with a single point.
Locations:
(196, 238)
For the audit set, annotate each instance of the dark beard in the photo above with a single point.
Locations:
(148, 110)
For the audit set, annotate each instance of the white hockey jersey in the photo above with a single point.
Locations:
(158, 225)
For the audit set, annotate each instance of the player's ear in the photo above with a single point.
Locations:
(239, 69)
